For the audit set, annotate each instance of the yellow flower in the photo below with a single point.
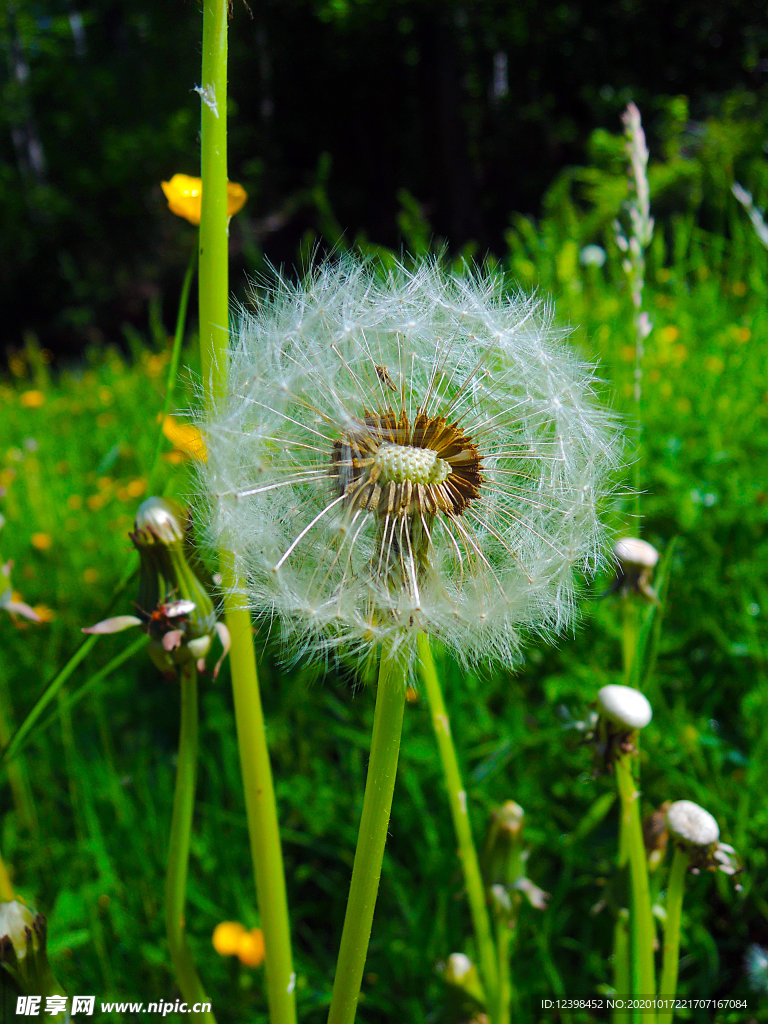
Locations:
(227, 937)
(186, 437)
(42, 541)
(32, 399)
(184, 195)
(250, 949)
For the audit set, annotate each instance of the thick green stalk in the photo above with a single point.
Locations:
(621, 973)
(214, 335)
(178, 848)
(642, 928)
(457, 798)
(214, 228)
(503, 940)
(675, 888)
(173, 366)
(371, 840)
(260, 807)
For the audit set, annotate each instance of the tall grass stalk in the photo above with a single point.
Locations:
(372, 838)
(178, 846)
(633, 264)
(260, 803)
(457, 797)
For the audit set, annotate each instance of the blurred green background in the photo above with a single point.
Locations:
(332, 109)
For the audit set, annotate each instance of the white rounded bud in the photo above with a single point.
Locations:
(17, 923)
(625, 706)
(692, 824)
(458, 967)
(631, 551)
(156, 517)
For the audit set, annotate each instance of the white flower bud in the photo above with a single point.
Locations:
(692, 824)
(635, 553)
(624, 706)
(156, 517)
(458, 967)
(17, 922)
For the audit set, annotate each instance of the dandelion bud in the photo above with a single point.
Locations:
(174, 606)
(502, 856)
(637, 560)
(625, 707)
(176, 609)
(621, 712)
(22, 950)
(691, 825)
(460, 973)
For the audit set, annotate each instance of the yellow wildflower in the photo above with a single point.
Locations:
(227, 937)
(250, 949)
(186, 437)
(184, 197)
(32, 399)
(41, 541)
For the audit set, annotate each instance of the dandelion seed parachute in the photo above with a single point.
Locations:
(404, 452)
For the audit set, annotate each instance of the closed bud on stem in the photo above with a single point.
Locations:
(622, 711)
(696, 831)
(460, 973)
(175, 609)
(22, 950)
(636, 561)
(503, 853)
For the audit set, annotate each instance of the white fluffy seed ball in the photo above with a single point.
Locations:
(625, 706)
(691, 823)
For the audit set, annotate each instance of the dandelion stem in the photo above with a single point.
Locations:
(173, 366)
(178, 848)
(642, 927)
(458, 800)
(675, 888)
(372, 838)
(621, 973)
(261, 809)
(503, 937)
(213, 280)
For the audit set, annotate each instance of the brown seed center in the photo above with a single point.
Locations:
(393, 467)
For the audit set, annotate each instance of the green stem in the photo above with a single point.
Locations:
(173, 367)
(178, 848)
(213, 282)
(260, 807)
(503, 940)
(458, 800)
(621, 973)
(374, 823)
(629, 637)
(675, 888)
(214, 230)
(642, 928)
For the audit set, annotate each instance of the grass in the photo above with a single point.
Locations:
(74, 467)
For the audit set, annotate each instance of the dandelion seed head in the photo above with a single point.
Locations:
(404, 452)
